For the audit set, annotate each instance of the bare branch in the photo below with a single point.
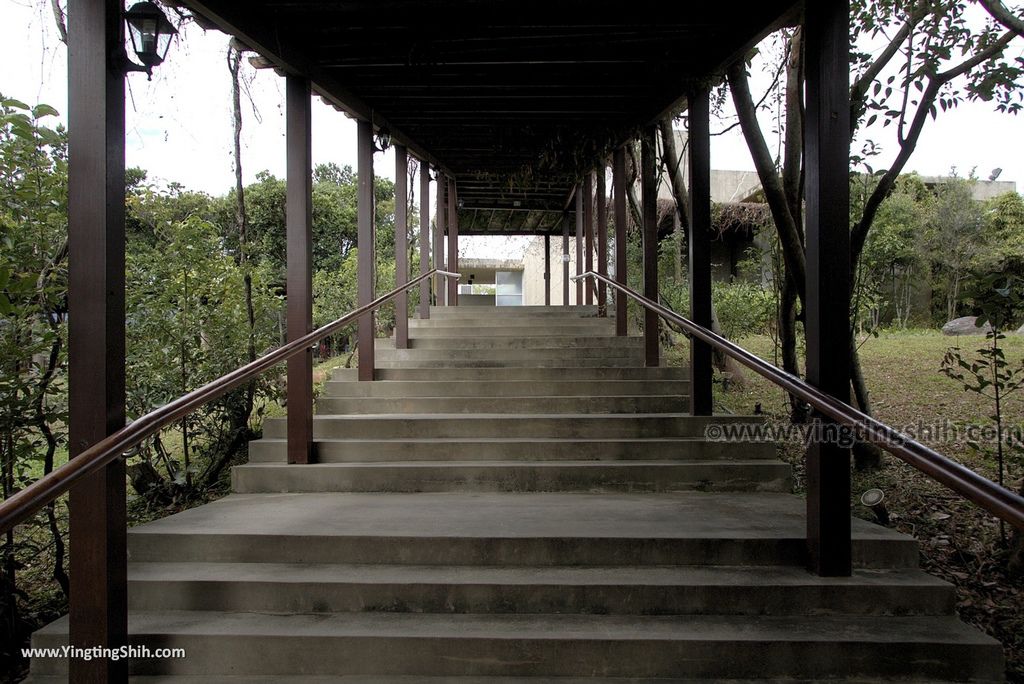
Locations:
(60, 19)
(1004, 16)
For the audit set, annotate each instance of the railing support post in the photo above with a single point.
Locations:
(424, 239)
(701, 402)
(827, 146)
(619, 189)
(602, 242)
(299, 230)
(588, 235)
(401, 245)
(649, 183)
(96, 293)
(547, 270)
(453, 241)
(367, 247)
(439, 230)
(579, 243)
(565, 260)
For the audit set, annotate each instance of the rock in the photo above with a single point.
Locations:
(967, 325)
(1020, 330)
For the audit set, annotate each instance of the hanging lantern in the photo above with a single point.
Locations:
(150, 33)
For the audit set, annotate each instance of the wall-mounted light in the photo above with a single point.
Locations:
(150, 32)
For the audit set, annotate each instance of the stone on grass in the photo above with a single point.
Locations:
(966, 325)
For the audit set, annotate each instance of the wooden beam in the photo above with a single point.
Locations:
(619, 189)
(827, 131)
(453, 241)
(96, 339)
(649, 184)
(588, 236)
(439, 231)
(565, 260)
(602, 240)
(701, 403)
(401, 245)
(367, 247)
(299, 230)
(424, 308)
(579, 243)
(547, 270)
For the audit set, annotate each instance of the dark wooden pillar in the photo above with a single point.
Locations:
(579, 243)
(619, 190)
(424, 308)
(453, 241)
(299, 229)
(565, 260)
(827, 132)
(367, 247)
(602, 241)
(701, 403)
(96, 344)
(439, 231)
(588, 235)
(547, 270)
(649, 184)
(401, 245)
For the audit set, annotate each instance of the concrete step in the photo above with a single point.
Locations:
(513, 312)
(495, 529)
(620, 590)
(520, 355)
(523, 374)
(511, 476)
(528, 328)
(442, 365)
(511, 388)
(513, 449)
(500, 425)
(502, 404)
(554, 645)
(515, 342)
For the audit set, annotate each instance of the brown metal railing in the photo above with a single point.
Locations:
(998, 500)
(20, 506)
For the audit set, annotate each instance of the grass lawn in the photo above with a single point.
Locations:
(959, 542)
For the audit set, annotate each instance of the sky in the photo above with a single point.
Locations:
(179, 124)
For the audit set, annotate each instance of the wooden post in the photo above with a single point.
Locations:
(299, 229)
(602, 242)
(367, 247)
(827, 132)
(453, 241)
(439, 231)
(96, 344)
(619, 188)
(588, 235)
(547, 270)
(579, 243)
(424, 308)
(401, 245)
(649, 184)
(565, 260)
(701, 402)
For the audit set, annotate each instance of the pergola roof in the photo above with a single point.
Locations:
(516, 100)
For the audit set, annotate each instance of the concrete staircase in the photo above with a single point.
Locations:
(518, 500)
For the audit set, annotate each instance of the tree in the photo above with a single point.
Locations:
(33, 307)
(931, 60)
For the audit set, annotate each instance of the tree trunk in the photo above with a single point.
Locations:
(242, 223)
(866, 456)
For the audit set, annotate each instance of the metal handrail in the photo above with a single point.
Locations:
(997, 500)
(20, 506)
